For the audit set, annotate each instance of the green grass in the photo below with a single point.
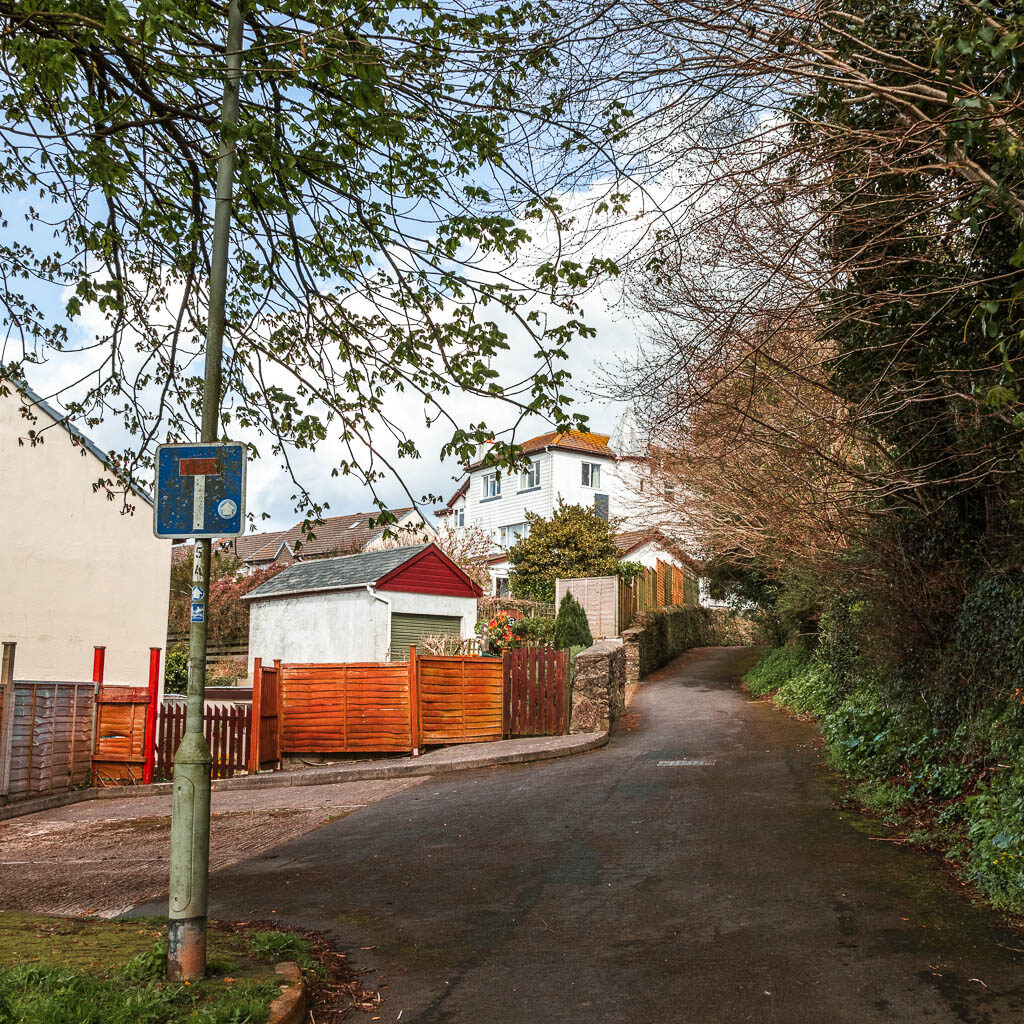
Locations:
(57, 970)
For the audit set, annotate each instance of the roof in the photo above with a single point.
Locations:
(248, 544)
(566, 440)
(338, 535)
(79, 437)
(632, 540)
(336, 573)
(460, 493)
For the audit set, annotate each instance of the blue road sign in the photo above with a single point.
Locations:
(200, 490)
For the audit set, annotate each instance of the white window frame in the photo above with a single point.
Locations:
(507, 539)
(490, 485)
(530, 477)
(587, 474)
(459, 516)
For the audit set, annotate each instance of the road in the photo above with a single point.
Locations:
(635, 883)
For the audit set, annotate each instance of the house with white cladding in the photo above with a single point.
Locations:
(606, 471)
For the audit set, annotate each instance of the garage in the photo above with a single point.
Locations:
(407, 630)
(367, 607)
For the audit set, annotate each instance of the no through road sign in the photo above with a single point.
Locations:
(200, 490)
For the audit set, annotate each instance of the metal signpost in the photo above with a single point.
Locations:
(201, 488)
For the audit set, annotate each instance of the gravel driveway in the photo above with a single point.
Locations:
(105, 856)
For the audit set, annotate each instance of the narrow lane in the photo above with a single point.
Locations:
(636, 884)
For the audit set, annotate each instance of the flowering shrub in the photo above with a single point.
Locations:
(502, 632)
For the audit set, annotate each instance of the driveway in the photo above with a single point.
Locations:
(105, 856)
(695, 870)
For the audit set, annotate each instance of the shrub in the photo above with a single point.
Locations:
(538, 629)
(571, 625)
(176, 669)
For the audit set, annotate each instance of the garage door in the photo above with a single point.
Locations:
(407, 630)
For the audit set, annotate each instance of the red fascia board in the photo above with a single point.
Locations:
(389, 581)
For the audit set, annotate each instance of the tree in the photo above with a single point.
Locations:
(572, 628)
(574, 542)
(385, 184)
(228, 613)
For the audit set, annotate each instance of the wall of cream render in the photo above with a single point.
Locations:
(342, 625)
(74, 571)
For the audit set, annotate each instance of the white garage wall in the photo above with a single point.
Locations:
(341, 625)
(337, 626)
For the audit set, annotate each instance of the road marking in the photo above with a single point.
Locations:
(687, 762)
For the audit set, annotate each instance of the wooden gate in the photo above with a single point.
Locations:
(228, 733)
(536, 699)
(265, 742)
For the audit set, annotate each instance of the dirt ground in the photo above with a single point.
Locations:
(104, 857)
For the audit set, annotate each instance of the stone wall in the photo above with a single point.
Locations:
(599, 686)
(663, 634)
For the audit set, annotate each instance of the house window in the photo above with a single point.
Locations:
(670, 492)
(601, 506)
(530, 477)
(459, 516)
(501, 586)
(491, 485)
(591, 474)
(510, 534)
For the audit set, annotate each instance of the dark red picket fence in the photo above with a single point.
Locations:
(536, 697)
(227, 732)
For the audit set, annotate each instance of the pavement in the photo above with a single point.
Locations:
(696, 870)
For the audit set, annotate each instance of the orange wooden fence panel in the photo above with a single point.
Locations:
(119, 749)
(347, 707)
(460, 699)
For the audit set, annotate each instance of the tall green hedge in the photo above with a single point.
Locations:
(665, 633)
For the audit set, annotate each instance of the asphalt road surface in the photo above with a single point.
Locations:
(694, 870)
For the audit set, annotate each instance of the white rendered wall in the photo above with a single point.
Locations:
(650, 554)
(336, 626)
(341, 625)
(74, 572)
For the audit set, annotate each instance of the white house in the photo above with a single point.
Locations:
(81, 567)
(366, 607)
(606, 471)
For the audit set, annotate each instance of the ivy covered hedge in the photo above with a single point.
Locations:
(665, 633)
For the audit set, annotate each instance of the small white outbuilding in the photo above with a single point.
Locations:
(365, 607)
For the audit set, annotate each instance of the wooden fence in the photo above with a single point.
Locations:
(227, 731)
(536, 692)
(45, 734)
(119, 750)
(599, 597)
(358, 706)
(459, 699)
(664, 585)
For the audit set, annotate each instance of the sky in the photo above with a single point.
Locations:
(270, 491)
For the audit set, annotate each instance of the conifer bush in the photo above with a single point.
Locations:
(571, 625)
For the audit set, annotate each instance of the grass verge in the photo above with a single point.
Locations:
(56, 970)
